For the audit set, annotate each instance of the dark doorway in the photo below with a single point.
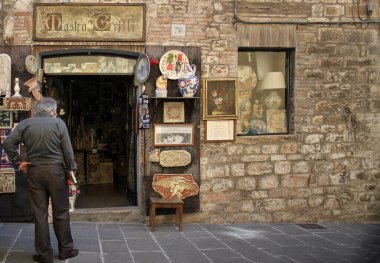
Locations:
(99, 111)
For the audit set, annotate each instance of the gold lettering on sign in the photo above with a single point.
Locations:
(53, 22)
(89, 22)
(102, 22)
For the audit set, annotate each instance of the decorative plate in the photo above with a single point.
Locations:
(173, 63)
(142, 69)
(31, 64)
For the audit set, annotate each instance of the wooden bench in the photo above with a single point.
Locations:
(166, 203)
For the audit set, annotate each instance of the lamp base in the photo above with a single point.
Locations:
(273, 100)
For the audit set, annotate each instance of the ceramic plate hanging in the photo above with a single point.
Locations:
(142, 69)
(31, 64)
(172, 63)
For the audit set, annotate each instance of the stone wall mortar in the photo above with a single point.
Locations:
(328, 169)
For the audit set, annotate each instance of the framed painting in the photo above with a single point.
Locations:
(5, 162)
(6, 119)
(220, 99)
(174, 112)
(173, 134)
(220, 131)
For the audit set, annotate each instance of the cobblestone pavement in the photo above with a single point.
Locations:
(272, 243)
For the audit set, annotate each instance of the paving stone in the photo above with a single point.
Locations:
(19, 257)
(220, 253)
(114, 247)
(108, 226)
(337, 238)
(198, 234)
(80, 232)
(84, 257)
(284, 240)
(117, 258)
(149, 257)
(132, 233)
(248, 251)
(10, 230)
(207, 243)
(261, 242)
(292, 230)
(111, 234)
(142, 244)
(219, 231)
(25, 244)
(87, 244)
(6, 241)
(258, 229)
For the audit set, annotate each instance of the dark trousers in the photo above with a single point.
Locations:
(44, 181)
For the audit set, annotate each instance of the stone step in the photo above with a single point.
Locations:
(113, 214)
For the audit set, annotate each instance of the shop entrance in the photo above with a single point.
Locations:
(99, 112)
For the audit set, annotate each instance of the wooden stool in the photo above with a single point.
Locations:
(166, 203)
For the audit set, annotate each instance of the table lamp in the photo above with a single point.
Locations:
(273, 81)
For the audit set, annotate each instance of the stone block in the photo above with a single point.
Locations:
(237, 169)
(221, 185)
(331, 35)
(289, 147)
(259, 168)
(313, 138)
(282, 167)
(246, 183)
(291, 181)
(270, 149)
(297, 204)
(300, 167)
(268, 182)
(213, 171)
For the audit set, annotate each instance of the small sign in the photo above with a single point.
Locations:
(178, 30)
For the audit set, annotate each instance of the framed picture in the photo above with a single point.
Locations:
(220, 99)
(6, 119)
(106, 91)
(173, 134)
(5, 162)
(220, 130)
(276, 121)
(174, 112)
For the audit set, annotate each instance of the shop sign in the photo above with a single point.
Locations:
(89, 22)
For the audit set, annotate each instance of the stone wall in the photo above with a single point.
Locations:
(328, 169)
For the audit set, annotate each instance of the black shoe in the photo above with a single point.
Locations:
(37, 258)
(73, 253)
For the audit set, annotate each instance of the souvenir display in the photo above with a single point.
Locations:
(142, 69)
(144, 120)
(173, 63)
(188, 82)
(7, 181)
(31, 64)
(175, 185)
(5, 75)
(161, 86)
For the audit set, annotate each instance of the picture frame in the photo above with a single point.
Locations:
(220, 98)
(106, 91)
(174, 112)
(173, 134)
(4, 161)
(6, 119)
(220, 131)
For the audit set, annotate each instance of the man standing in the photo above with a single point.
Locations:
(49, 159)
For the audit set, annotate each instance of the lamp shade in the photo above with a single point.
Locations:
(273, 80)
